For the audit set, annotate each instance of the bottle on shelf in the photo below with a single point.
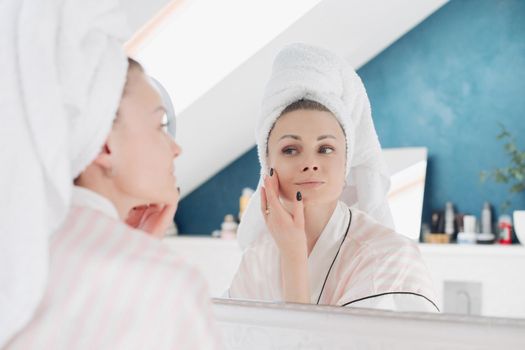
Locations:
(449, 220)
(229, 227)
(243, 201)
(505, 229)
(486, 236)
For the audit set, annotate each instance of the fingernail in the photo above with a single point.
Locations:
(299, 196)
(271, 171)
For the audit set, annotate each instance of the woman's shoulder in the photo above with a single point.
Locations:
(377, 238)
(93, 253)
(151, 262)
(109, 241)
(154, 252)
(391, 261)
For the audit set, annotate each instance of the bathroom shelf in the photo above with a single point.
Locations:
(474, 249)
(426, 248)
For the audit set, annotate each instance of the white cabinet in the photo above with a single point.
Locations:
(499, 269)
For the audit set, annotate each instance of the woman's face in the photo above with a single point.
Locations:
(143, 151)
(307, 148)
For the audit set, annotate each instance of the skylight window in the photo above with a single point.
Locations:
(202, 41)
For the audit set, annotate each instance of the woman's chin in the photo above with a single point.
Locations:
(318, 199)
(170, 194)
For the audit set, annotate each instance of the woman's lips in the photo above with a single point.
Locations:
(310, 184)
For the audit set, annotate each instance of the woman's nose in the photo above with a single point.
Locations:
(175, 148)
(314, 168)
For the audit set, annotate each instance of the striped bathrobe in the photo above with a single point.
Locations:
(113, 287)
(355, 262)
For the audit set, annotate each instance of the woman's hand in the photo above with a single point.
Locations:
(288, 231)
(286, 228)
(153, 219)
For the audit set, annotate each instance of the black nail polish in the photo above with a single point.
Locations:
(271, 171)
(299, 196)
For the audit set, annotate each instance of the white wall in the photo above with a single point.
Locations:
(139, 12)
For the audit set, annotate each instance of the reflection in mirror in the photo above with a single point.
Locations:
(218, 260)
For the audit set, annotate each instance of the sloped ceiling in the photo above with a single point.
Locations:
(217, 127)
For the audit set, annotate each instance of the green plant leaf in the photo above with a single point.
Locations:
(518, 174)
(518, 159)
(500, 175)
(512, 175)
(519, 187)
(510, 147)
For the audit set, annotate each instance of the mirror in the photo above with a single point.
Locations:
(424, 92)
(408, 167)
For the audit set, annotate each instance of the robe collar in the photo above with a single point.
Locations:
(83, 197)
(325, 249)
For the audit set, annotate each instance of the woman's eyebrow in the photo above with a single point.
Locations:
(295, 137)
(159, 109)
(322, 137)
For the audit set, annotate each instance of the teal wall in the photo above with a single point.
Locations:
(444, 85)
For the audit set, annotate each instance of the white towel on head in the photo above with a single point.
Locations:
(302, 71)
(63, 71)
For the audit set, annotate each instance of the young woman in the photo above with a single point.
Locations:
(98, 176)
(316, 141)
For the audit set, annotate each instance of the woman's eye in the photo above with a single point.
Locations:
(289, 151)
(165, 123)
(326, 150)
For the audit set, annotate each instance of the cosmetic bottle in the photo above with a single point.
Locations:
(485, 236)
(243, 201)
(449, 219)
(486, 218)
(469, 228)
(229, 227)
(505, 229)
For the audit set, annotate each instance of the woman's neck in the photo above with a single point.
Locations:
(316, 218)
(94, 180)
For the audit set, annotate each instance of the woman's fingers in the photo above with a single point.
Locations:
(271, 196)
(285, 224)
(274, 185)
(274, 180)
(166, 215)
(264, 204)
(156, 219)
(135, 216)
(298, 210)
(153, 219)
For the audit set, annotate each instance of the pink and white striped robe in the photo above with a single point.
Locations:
(355, 262)
(114, 287)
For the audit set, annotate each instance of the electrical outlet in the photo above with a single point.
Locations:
(462, 297)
